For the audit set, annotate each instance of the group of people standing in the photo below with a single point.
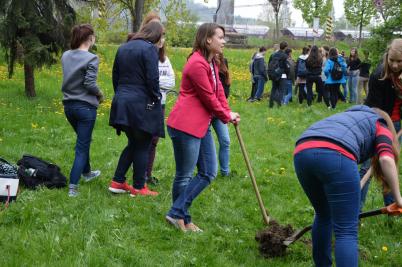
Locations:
(323, 68)
(141, 76)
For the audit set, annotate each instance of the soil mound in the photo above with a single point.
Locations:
(271, 239)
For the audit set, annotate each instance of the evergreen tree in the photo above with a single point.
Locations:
(34, 32)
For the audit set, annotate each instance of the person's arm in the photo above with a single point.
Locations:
(167, 81)
(199, 76)
(388, 168)
(91, 75)
(150, 57)
(327, 68)
(115, 72)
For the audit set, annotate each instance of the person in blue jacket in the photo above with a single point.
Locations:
(341, 142)
(331, 82)
(136, 107)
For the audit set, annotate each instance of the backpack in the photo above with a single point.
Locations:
(34, 171)
(274, 70)
(301, 68)
(336, 71)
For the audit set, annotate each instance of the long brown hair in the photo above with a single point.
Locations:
(151, 32)
(223, 68)
(396, 45)
(314, 59)
(205, 31)
(80, 34)
(355, 56)
(151, 16)
(162, 53)
(375, 163)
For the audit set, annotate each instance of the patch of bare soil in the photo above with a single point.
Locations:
(271, 239)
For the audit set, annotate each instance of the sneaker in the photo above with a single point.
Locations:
(91, 175)
(152, 180)
(119, 188)
(143, 192)
(72, 190)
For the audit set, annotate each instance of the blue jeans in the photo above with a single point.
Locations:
(222, 132)
(352, 85)
(189, 152)
(333, 188)
(81, 116)
(289, 86)
(260, 86)
(345, 88)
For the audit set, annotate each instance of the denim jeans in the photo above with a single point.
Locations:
(288, 90)
(333, 188)
(277, 92)
(260, 86)
(352, 85)
(81, 116)
(345, 87)
(222, 133)
(136, 153)
(189, 152)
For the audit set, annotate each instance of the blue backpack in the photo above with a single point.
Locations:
(301, 68)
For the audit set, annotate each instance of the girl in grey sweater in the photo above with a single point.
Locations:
(81, 97)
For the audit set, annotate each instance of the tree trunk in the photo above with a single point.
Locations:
(276, 25)
(139, 9)
(360, 32)
(29, 80)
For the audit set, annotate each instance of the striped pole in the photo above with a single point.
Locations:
(328, 28)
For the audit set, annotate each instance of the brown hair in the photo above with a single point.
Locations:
(151, 16)
(205, 31)
(396, 44)
(80, 34)
(162, 53)
(355, 56)
(314, 59)
(223, 68)
(375, 163)
(151, 32)
(333, 53)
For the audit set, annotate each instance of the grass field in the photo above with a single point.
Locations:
(46, 228)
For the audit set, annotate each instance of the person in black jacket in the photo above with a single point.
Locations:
(385, 92)
(314, 70)
(136, 107)
(259, 73)
(278, 61)
(363, 77)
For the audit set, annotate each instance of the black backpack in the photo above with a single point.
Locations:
(34, 171)
(336, 72)
(274, 70)
(301, 68)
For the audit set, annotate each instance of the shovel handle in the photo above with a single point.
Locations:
(264, 212)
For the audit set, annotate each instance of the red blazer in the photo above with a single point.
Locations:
(198, 100)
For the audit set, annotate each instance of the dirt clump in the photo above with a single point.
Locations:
(271, 239)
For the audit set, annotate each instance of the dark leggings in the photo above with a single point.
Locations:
(152, 150)
(136, 152)
(333, 93)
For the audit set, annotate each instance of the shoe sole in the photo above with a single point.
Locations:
(117, 191)
(134, 195)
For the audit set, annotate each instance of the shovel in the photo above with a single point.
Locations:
(264, 212)
(392, 210)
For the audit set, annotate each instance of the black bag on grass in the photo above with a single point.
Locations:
(34, 171)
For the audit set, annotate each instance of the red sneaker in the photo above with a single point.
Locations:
(143, 192)
(120, 188)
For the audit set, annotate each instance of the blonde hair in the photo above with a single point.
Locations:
(375, 163)
(396, 45)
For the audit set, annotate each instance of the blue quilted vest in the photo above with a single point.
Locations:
(354, 129)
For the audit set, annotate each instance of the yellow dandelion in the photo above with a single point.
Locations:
(384, 248)
(34, 125)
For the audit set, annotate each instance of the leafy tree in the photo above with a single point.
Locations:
(388, 9)
(34, 32)
(276, 6)
(180, 24)
(359, 13)
(136, 9)
(314, 9)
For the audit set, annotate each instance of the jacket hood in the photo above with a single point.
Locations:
(259, 55)
(303, 57)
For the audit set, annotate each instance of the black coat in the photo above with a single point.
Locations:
(381, 92)
(136, 103)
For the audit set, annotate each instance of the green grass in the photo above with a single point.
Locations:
(45, 227)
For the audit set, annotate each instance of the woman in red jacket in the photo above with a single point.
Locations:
(201, 98)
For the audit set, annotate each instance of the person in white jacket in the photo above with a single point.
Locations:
(166, 83)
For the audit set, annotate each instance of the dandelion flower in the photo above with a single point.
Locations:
(34, 125)
(384, 248)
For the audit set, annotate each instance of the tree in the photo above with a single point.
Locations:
(314, 9)
(276, 6)
(359, 13)
(388, 9)
(34, 32)
(136, 9)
